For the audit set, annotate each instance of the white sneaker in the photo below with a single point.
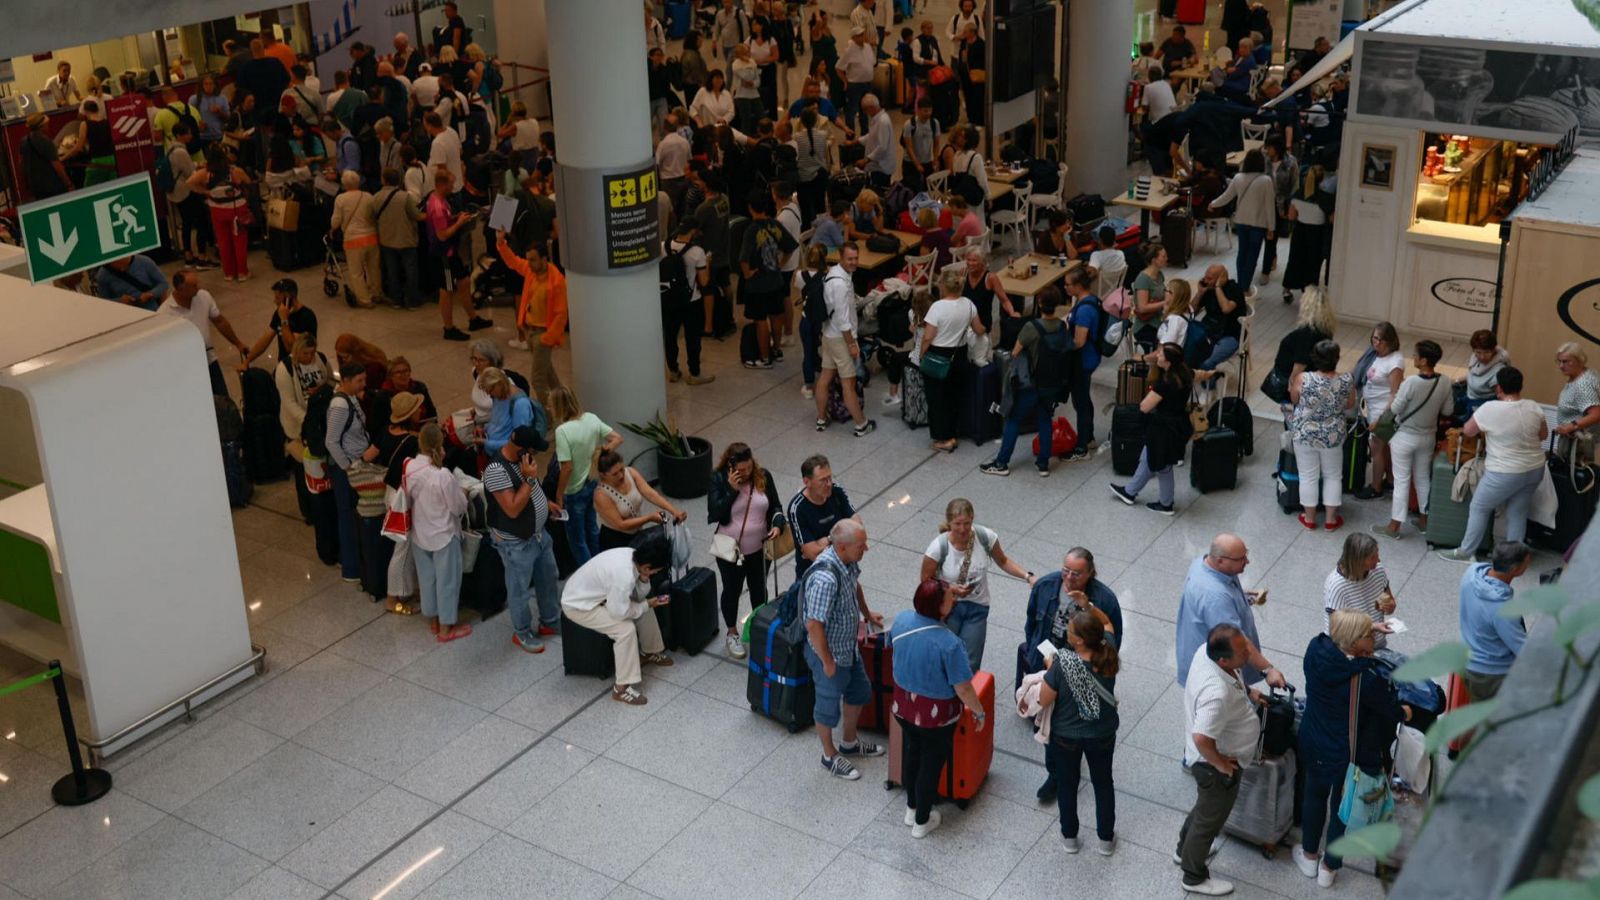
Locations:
(1325, 877)
(911, 817)
(516, 344)
(1211, 887)
(921, 831)
(1106, 848)
(891, 400)
(807, 393)
(735, 646)
(1070, 845)
(1308, 865)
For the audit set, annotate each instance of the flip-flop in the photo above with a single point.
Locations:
(400, 608)
(456, 631)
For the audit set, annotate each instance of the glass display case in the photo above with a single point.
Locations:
(1472, 181)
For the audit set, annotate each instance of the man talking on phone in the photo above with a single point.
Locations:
(517, 513)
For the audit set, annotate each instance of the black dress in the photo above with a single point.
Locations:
(1167, 429)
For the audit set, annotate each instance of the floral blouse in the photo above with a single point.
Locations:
(1319, 416)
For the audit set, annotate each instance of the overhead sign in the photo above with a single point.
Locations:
(632, 218)
(88, 227)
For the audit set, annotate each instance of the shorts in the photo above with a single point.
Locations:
(849, 683)
(452, 273)
(836, 355)
(761, 304)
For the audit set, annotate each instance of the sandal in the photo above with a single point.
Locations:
(399, 607)
(455, 631)
(1310, 525)
(656, 659)
(1335, 524)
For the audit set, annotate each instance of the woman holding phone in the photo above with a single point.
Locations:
(961, 556)
(743, 504)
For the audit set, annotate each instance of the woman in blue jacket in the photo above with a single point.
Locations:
(1336, 661)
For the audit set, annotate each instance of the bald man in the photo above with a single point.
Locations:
(1212, 596)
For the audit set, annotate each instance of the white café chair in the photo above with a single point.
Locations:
(1015, 221)
(919, 269)
(1110, 279)
(1056, 200)
(938, 183)
(1250, 131)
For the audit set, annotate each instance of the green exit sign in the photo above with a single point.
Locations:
(85, 228)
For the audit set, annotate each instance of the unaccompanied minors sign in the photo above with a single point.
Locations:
(632, 218)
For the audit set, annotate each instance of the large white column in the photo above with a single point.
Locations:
(1097, 71)
(597, 70)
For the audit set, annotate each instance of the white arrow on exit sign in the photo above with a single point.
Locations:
(58, 248)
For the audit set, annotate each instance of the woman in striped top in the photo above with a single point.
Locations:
(1359, 582)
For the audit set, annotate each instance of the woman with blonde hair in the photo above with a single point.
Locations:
(961, 556)
(1176, 310)
(1315, 324)
(1578, 405)
(743, 505)
(580, 438)
(866, 216)
(942, 340)
(437, 503)
(353, 214)
(510, 406)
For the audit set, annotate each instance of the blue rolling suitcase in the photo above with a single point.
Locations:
(979, 414)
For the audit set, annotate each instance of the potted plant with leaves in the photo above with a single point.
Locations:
(682, 463)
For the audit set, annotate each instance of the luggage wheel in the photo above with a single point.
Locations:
(794, 727)
(961, 804)
(330, 287)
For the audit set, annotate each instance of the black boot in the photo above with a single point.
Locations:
(1046, 791)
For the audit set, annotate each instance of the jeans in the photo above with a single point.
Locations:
(970, 622)
(1213, 802)
(1251, 237)
(1221, 352)
(1411, 452)
(690, 317)
(1494, 488)
(439, 580)
(1083, 405)
(810, 351)
(344, 504)
(1066, 757)
(1027, 402)
(530, 568)
(1320, 804)
(1320, 467)
(401, 278)
(1165, 483)
(583, 527)
(924, 752)
(751, 573)
(848, 687)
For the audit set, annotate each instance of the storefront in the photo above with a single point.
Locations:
(1454, 104)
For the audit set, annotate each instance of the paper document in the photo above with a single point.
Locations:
(503, 213)
(1395, 625)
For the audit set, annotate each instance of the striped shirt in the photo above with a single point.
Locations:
(1339, 592)
(500, 475)
(347, 431)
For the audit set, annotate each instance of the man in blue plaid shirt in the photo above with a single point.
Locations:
(834, 604)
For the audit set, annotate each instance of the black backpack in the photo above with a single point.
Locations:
(967, 185)
(814, 303)
(314, 429)
(675, 289)
(181, 110)
(1052, 358)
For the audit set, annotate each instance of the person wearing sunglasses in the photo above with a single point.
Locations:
(1054, 599)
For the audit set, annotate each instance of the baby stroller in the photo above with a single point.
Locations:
(333, 273)
(493, 282)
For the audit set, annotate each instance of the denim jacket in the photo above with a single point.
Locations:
(1043, 601)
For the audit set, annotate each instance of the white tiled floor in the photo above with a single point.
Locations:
(371, 759)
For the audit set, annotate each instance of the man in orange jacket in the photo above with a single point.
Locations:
(541, 310)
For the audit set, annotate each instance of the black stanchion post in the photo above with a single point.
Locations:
(84, 785)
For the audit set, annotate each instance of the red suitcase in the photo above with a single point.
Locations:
(877, 655)
(1455, 697)
(972, 755)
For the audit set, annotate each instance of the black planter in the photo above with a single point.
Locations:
(686, 477)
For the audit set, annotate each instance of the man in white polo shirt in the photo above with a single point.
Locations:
(1219, 715)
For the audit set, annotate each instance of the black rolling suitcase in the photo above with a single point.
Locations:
(1214, 462)
(1288, 478)
(1357, 453)
(484, 588)
(1177, 233)
(1233, 414)
(285, 249)
(946, 100)
(233, 471)
(585, 651)
(694, 611)
(779, 686)
(978, 413)
(1576, 494)
(263, 433)
(325, 527)
(1127, 438)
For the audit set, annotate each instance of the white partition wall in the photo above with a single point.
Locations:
(123, 489)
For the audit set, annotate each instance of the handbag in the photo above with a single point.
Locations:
(397, 514)
(366, 479)
(1386, 426)
(1459, 448)
(779, 547)
(726, 548)
(1275, 387)
(316, 472)
(940, 74)
(283, 214)
(471, 544)
(1366, 798)
(936, 365)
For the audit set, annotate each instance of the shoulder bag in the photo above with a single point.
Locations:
(397, 507)
(1366, 798)
(1386, 426)
(726, 547)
